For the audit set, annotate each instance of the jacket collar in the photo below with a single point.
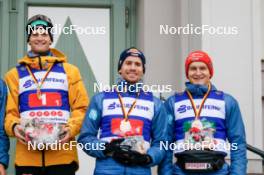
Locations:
(43, 61)
(124, 86)
(197, 89)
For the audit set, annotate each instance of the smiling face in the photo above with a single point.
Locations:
(132, 69)
(198, 73)
(39, 40)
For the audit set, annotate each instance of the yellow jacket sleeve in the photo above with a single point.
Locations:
(78, 98)
(12, 111)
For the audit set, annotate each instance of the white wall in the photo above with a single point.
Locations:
(236, 57)
(163, 52)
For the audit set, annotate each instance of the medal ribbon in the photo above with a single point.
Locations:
(123, 106)
(36, 81)
(198, 112)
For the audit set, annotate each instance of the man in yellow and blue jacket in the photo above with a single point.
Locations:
(44, 85)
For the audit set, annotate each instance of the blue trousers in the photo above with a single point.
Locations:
(108, 166)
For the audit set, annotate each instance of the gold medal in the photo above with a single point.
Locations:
(125, 126)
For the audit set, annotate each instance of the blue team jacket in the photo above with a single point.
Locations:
(234, 128)
(4, 141)
(106, 165)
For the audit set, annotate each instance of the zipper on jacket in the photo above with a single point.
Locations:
(43, 162)
(40, 64)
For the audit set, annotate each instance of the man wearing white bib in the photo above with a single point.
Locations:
(4, 141)
(46, 105)
(202, 120)
(131, 123)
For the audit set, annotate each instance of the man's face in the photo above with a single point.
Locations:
(39, 40)
(132, 69)
(199, 73)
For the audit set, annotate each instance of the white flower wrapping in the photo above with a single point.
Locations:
(38, 132)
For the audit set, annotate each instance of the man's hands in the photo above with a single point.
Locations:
(130, 157)
(19, 133)
(65, 135)
(123, 154)
(113, 146)
(2, 170)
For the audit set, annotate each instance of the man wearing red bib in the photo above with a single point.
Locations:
(131, 123)
(202, 119)
(46, 104)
